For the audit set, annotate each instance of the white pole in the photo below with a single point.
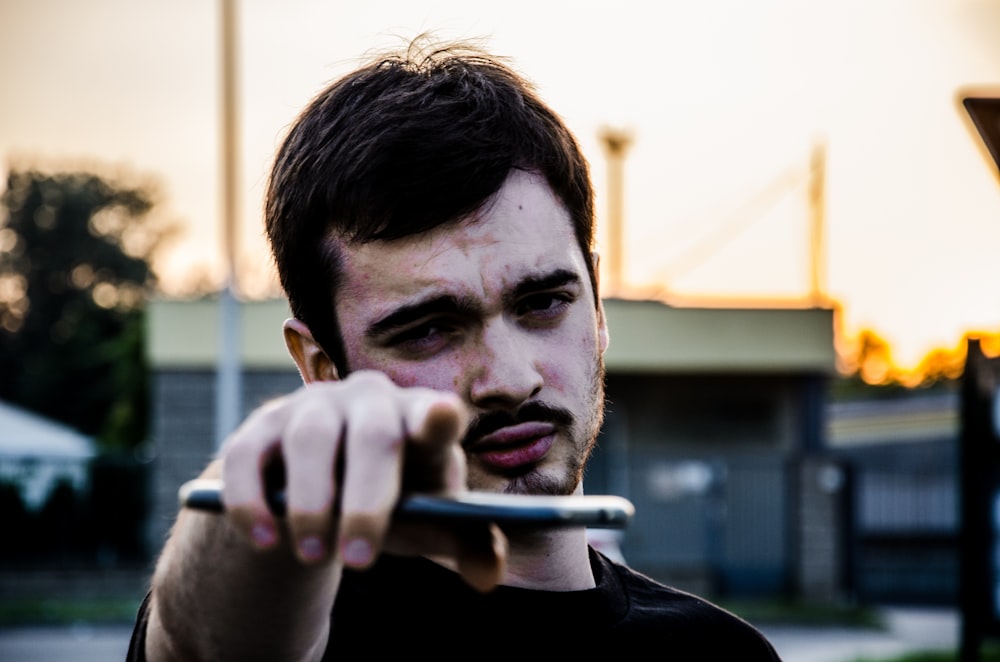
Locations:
(615, 142)
(817, 225)
(228, 386)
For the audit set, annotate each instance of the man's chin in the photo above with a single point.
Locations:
(533, 481)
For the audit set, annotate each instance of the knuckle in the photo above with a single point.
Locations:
(379, 430)
(370, 379)
(311, 426)
(307, 435)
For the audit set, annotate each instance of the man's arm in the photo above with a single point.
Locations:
(248, 585)
(216, 597)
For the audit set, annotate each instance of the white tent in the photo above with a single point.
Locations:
(36, 454)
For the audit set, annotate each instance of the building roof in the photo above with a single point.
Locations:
(649, 336)
(646, 336)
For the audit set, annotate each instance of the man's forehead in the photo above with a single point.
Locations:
(525, 203)
(524, 233)
(395, 277)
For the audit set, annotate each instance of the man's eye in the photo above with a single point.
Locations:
(544, 305)
(420, 338)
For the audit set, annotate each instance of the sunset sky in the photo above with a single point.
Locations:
(726, 100)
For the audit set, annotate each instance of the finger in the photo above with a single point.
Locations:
(478, 551)
(374, 441)
(244, 457)
(309, 447)
(482, 557)
(435, 423)
(435, 417)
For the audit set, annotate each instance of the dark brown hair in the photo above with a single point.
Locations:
(403, 145)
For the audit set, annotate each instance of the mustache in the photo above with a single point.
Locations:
(490, 422)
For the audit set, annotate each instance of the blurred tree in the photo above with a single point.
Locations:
(867, 369)
(940, 366)
(74, 275)
(946, 366)
(873, 359)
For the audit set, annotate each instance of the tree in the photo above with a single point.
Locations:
(75, 272)
(872, 359)
(867, 368)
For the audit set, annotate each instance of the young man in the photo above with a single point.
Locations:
(433, 226)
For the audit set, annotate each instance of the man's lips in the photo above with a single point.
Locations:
(515, 445)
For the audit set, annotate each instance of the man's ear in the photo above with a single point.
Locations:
(313, 363)
(603, 337)
(595, 257)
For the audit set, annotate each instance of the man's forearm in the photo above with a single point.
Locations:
(215, 597)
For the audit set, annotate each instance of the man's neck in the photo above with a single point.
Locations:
(554, 560)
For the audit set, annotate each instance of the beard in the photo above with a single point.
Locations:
(579, 432)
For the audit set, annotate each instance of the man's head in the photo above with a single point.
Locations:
(408, 143)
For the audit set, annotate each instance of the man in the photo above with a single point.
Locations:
(433, 227)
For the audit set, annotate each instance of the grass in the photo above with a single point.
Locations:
(794, 612)
(989, 653)
(63, 611)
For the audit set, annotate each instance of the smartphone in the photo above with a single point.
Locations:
(591, 510)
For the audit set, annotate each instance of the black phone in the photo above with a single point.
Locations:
(591, 510)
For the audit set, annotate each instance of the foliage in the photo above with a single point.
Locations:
(74, 275)
(796, 612)
(871, 359)
(67, 611)
(869, 371)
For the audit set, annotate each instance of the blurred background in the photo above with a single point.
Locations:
(798, 226)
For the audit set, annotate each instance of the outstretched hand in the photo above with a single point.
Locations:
(349, 450)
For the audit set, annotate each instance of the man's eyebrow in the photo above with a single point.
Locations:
(445, 304)
(449, 304)
(548, 281)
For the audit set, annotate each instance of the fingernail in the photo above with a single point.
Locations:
(263, 535)
(311, 548)
(357, 551)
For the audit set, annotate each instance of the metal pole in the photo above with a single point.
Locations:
(228, 387)
(616, 143)
(817, 209)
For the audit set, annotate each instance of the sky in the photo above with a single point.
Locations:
(726, 102)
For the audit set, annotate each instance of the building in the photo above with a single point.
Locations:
(901, 454)
(715, 416)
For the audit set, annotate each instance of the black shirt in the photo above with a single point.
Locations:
(412, 608)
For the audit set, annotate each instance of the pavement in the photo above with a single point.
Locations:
(908, 629)
(81, 643)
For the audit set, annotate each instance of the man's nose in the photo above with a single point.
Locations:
(505, 371)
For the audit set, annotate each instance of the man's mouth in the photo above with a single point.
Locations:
(515, 445)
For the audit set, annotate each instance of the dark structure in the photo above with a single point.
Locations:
(980, 505)
(899, 457)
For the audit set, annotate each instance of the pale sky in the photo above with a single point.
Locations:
(725, 98)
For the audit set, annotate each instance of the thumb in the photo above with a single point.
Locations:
(482, 558)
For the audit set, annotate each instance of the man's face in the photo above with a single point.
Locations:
(497, 308)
